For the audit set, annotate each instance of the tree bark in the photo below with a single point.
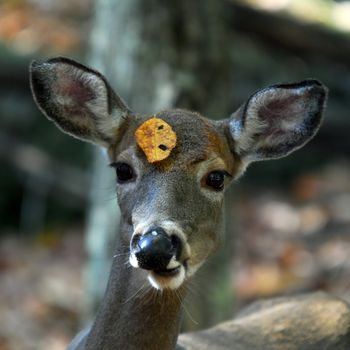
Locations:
(158, 55)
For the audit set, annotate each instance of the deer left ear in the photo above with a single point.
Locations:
(78, 99)
(277, 120)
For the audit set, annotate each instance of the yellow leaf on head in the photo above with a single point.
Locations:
(156, 138)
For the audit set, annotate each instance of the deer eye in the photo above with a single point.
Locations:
(123, 171)
(216, 180)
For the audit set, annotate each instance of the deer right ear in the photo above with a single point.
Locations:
(78, 100)
(277, 120)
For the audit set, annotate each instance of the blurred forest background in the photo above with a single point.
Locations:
(288, 227)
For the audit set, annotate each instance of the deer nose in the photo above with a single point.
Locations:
(155, 248)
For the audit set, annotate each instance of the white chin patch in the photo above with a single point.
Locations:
(163, 282)
(171, 282)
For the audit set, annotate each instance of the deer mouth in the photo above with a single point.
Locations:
(167, 278)
(167, 272)
(171, 278)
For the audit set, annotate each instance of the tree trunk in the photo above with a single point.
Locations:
(157, 55)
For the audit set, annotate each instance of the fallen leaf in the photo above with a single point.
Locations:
(156, 138)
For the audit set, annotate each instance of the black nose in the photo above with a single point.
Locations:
(155, 249)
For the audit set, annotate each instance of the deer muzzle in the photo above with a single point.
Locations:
(154, 249)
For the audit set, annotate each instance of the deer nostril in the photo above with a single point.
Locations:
(134, 241)
(177, 246)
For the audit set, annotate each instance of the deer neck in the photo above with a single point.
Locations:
(134, 315)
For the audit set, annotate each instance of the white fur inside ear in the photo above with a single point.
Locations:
(79, 89)
(73, 85)
(107, 124)
(244, 135)
(277, 120)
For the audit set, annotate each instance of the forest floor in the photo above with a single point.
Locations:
(41, 292)
(291, 240)
(296, 239)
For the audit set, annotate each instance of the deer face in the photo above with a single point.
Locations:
(174, 206)
(173, 209)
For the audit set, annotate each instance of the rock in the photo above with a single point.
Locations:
(314, 321)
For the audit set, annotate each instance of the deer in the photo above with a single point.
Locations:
(172, 207)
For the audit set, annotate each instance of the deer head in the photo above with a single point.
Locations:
(172, 210)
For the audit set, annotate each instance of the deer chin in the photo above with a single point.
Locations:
(170, 278)
(174, 276)
(167, 279)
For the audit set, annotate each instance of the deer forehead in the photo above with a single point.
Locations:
(198, 141)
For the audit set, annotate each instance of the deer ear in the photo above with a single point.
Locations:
(277, 120)
(78, 100)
